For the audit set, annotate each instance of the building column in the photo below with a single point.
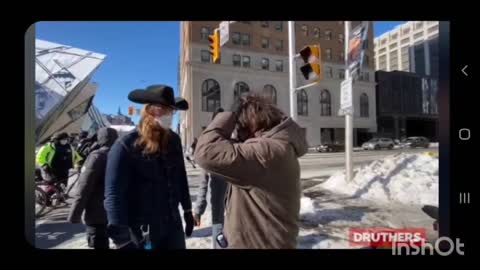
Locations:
(426, 48)
(388, 57)
(399, 55)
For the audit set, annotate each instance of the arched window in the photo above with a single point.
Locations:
(204, 33)
(305, 30)
(210, 95)
(239, 90)
(302, 103)
(325, 103)
(270, 92)
(316, 32)
(363, 105)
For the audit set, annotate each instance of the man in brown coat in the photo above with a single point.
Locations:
(263, 201)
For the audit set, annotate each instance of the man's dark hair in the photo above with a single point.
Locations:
(256, 113)
(217, 111)
(59, 136)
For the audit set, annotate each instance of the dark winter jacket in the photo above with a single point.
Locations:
(142, 189)
(89, 195)
(263, 200)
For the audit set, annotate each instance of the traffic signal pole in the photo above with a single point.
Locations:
(306, 86)
(348, 115)
(292, 70)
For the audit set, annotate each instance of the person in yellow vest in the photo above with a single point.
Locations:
(56, 158)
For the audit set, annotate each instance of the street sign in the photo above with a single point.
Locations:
(224, 29)
(346, 96)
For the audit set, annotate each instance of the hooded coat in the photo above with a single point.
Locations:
(263, 200)
(89, 195)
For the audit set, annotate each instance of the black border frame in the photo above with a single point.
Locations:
(452, 214)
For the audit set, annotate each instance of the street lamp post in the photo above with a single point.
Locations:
(292, 71)
(348, 115)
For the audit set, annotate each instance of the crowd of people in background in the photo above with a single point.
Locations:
(129, 189)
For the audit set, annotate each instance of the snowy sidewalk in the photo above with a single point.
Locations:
(326, 218)
(388, 193)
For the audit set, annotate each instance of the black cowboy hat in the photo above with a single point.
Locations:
(158, 94)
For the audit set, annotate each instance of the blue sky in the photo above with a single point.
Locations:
(138, 54)
(382, 27)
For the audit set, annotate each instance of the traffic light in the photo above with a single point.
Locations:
(312, 68)
(215, 46)
(131, 111)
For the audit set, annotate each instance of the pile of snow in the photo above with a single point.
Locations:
(306, 206)
(403, 178)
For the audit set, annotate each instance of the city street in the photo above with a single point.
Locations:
(52, 230)
(368, 83)
(322, 165)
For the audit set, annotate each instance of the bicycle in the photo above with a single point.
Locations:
(41, 199)
(51, 193)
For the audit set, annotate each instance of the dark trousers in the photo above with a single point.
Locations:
(97, 236)
(218, 189)
(167, 236)
(161, 236)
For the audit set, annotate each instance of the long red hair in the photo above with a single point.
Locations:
(153, 139)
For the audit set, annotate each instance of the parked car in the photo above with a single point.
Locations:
(330, 147)
(378, 143)
(412, 142)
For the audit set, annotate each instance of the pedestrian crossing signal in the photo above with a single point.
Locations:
(215, 46)
(312, 68)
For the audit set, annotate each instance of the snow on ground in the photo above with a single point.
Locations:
(202, 236)
(403, 178)
(387, 193)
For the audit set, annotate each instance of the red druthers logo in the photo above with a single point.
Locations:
(386, 238)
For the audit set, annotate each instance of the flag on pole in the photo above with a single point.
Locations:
(356, 48)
